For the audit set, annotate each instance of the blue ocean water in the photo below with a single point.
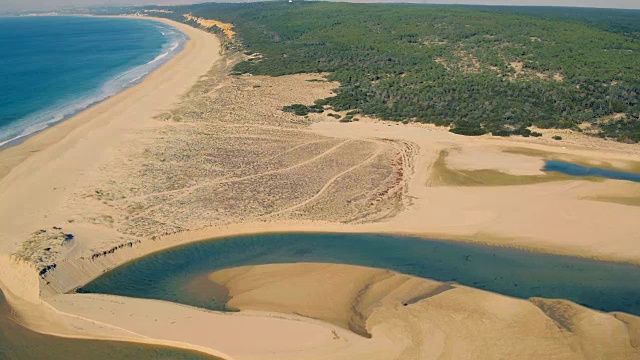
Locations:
(54, 67)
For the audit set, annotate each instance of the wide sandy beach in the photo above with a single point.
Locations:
(57, 157)
(192, 153)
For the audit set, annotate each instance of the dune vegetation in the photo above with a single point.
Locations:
(479, 70)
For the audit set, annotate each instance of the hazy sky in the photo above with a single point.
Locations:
(41, 4)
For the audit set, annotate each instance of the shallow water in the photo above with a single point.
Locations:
(170, 275)
(578, 170)
(19, 343)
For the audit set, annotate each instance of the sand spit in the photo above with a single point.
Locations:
(422, 319)
(167, 162)
(40, 175)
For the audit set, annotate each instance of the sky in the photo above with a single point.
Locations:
(47, 4)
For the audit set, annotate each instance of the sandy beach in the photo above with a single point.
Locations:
(193, 153)
(68, 151)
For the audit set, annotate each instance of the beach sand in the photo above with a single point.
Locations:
(320, 311)
(417, 318)
(167, 162)
(38, 174)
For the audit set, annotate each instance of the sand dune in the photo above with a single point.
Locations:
(419, 318)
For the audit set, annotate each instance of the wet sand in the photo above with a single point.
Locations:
(386, 305)
(20, 343)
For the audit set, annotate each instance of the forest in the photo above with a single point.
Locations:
(479, 70)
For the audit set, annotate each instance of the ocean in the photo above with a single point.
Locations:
(54, 67)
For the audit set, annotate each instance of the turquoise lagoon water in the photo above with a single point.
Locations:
(54, 67)
(579, 170)
(170, 275)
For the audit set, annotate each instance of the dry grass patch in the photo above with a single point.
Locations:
(235, 156)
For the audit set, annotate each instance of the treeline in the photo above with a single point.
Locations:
(477, 69)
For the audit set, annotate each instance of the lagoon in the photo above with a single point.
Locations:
(176, 274)
(579, 170)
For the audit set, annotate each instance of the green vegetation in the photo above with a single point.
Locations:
(469, 128)
(480, 70)
(349, 117)
(624, 130)
(300, 109)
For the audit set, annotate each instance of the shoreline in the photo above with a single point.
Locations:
(168, 82)
(61, 128)
(122, 335)
(47, 125)
(16, 155)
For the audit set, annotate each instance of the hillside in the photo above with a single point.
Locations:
(479, 69)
